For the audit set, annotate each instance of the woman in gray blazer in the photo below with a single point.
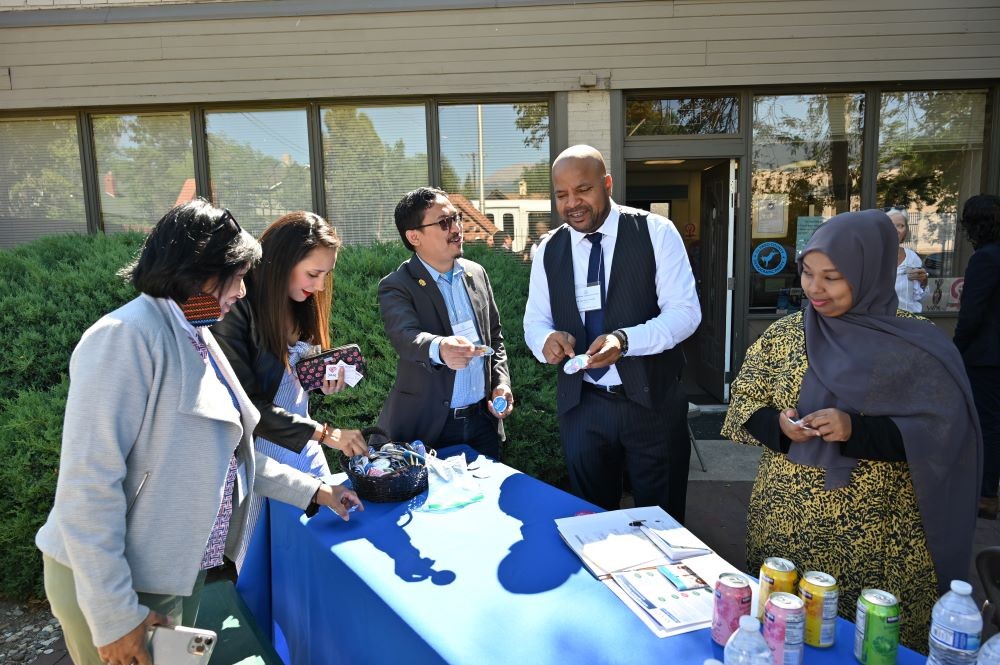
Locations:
(157, 458)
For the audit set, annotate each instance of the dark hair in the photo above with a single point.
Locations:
(981, 219)
(193, 244)
(410, 210)
(500, 237)
(286, 242)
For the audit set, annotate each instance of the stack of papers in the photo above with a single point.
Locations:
(636, 553)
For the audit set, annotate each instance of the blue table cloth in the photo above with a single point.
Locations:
(490, 583)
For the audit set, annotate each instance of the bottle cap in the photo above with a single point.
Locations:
(750, 623)
(961, 587)
(499, 404)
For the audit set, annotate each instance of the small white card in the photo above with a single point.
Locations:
(351, 374)
(466, 329)
(588, 297)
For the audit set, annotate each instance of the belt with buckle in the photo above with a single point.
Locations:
(617, 389)
(466, 411)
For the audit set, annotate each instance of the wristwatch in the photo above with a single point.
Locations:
(622, 339)
(313, 506)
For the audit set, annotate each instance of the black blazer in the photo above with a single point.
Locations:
(414, 313)
(977, 334)
(260, 372)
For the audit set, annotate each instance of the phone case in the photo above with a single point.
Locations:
(180, 645)
(311, 370)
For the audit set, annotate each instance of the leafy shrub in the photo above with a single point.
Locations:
(53, 289)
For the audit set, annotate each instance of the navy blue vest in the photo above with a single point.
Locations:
(630, 300)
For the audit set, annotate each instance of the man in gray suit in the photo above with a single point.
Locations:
(440, 315)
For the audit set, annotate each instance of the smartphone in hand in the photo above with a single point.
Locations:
(180, 645)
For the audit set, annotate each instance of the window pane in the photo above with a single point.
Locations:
(372, 156)
(259, 164)
(930, 161)
(682, 115)
(145, 166)
(41, 185)
(495, 160)
(806, 168)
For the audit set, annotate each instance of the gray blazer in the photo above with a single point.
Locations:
(147, 439)
(415, 314)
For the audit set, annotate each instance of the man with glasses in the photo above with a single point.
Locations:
(441, 317)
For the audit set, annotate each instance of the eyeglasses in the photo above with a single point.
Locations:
(445, 222)
(224, 220)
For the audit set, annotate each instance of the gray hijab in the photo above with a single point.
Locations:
(869, 361)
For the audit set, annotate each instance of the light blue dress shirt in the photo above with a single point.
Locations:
(470, 385)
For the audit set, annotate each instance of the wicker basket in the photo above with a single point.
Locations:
(400, 486)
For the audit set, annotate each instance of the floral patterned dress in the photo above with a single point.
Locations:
(866, 534)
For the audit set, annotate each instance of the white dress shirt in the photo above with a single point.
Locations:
(680, 311)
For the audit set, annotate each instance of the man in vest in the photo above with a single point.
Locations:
(614, 283)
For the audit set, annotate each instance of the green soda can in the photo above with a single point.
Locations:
(876, 628)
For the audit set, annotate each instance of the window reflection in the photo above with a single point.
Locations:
(41, 182)
(259, 164)
(930, 161)
(806, 168)
(145, 166)
(682, 115)
(372, 155)
(495, 165)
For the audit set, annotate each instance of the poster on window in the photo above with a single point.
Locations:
(943, 294)
(805, 226)
(769, 216)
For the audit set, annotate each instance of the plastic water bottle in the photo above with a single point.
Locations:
(747, 645)
(989, 654)
(956, 627)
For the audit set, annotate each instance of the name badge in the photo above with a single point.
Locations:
(588, 298)
(466, 329)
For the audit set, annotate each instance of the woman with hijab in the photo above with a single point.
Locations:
(877, 483)
(911, 277)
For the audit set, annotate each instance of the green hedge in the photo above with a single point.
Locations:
(53, 289)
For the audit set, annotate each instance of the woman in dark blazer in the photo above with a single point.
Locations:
(977, 334)
(285, 315)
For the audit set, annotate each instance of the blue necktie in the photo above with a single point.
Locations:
(594, 319)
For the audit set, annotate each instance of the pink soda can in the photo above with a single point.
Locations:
(785, 628)
(733, 597)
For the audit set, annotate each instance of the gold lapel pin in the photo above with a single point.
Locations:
(421, 282)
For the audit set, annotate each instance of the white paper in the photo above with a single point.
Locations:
(466, 329)
(351, 374)
(670, 608)
(588, 297)
(624, 558)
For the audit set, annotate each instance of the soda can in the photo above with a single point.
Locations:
(876, 628)
(733, 597)
(776, 574)
(820, 594)
(784, 628)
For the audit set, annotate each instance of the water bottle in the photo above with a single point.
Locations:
(956, 627)
(747, 645)
(990, 653)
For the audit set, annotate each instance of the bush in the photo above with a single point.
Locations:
(53, 289)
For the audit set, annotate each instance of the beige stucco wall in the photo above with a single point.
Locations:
(627, 45)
